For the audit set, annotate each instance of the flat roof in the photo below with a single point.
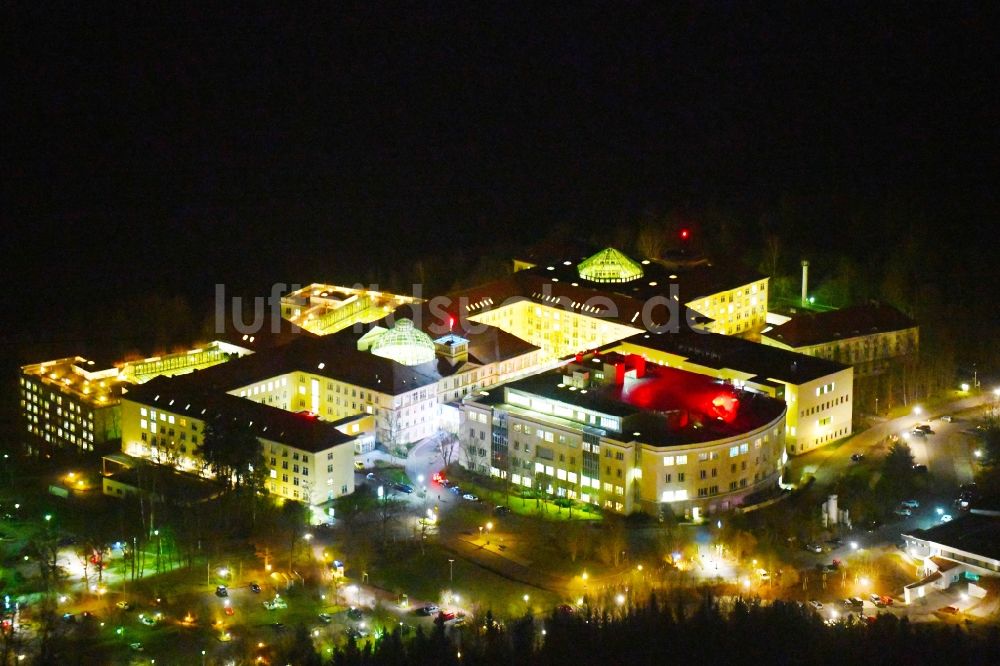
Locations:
(813, 328)
(665, 405)
(180, 395)
(93, 384)
(972, 533)
(718, 351)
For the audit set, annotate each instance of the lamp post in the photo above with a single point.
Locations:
(451, 569)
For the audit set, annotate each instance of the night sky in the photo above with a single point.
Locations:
(169, 152)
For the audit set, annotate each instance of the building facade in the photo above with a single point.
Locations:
(867, 337)
(306, 459)
(614, 431)
(566, 307)
(76, 403)
(818, 393)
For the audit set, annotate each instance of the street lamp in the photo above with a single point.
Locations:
(451, 569)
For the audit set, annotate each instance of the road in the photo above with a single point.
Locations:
(954, 466)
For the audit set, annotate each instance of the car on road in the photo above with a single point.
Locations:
(918, 433)
(124, 605)
(857, 457)
(355, 613)
(925, 428)
(501, 510)
(403, 488)
(814, 548)
(325, 618)
(903, 511)
(946, 518)
(222, 591)
(922, 469)
(470, 497)
(910, 504)
(255, 588)
(816, 604)
(429, 609)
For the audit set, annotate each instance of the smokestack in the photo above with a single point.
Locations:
(805, 282)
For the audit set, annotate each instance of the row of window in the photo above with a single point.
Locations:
(824, 405)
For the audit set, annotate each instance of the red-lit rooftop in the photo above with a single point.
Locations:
(665, 405)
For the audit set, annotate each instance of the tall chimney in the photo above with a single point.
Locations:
(805, 282)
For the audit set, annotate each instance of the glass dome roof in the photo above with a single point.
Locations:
(404, 344)
(609, 265)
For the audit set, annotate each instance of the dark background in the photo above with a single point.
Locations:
(160, 154)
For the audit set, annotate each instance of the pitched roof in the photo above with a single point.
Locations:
(725, 351)
(815, 328)
(180, 395)
(972, 533)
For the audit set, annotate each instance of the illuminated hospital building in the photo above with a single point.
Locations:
(567, 306)
(614, 430)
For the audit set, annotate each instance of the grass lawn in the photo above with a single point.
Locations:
(426, 577)
(392, 473)
(492, 495)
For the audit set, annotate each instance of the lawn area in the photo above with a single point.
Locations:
(392, 473)
(492, 494)
(426, 577)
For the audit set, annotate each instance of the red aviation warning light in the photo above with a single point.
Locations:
(685, 234)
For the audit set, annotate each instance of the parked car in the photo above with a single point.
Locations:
(814, 548)
(124, 605)
(920, 469)
(501, 510)
(947, 418)
(925, 428)
(429, 609)
(816, 604)
(946, 518)
(358, 465)
(222, 591)
(470, 497)
(370, 476)
(147, 620)
(857, 457)
(403, 488)
(875, 598)
(447, 615)
(910, 503)
(903, 511)
(325, 618)
(355, 613)
(456, 490)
